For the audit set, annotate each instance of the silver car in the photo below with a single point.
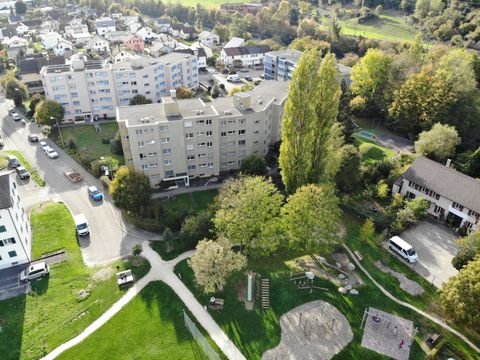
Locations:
(51, 153)
(34, 272)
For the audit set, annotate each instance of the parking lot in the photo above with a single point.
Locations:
(435, 246)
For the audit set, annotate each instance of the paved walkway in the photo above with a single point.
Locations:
(163, 271)
(435, 319)
(186, 190)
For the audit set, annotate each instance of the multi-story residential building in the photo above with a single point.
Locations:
(279, 65)
(98, 44)
(209, 39)
(91, 89)
(244, 55)
(63, 48)
(50, 39)
(452, 195)
(135, 43)
(104, 25)
(15, 234)
(176, 140)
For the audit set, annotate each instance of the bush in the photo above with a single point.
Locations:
(72, 145)
(105, 141)
(137, 250)
(96, 165)
(116, 145)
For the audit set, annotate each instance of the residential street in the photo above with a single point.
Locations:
(110, 237)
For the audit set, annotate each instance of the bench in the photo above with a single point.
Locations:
(358, 255)
(432, 340)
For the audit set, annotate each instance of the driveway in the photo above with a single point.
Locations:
(435, 245)
(111, 238)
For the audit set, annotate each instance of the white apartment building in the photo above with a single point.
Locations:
(453, 196)
(91, 89)
(245, 55)
(15, 233)
(104, 25)
(176, 140)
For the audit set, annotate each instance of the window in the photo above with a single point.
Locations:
(163, 128)
(202, 165)
(189, 136)
(190, 147)
(167, 162)
(231, 132)
(231, 163)
(209, 133)
(202, 144)
(242, 142)
(190, 157)
(202, 155)
(167, 151)
(208, 122)
(457, 206)
(201, 133)
(165, 140)
(139, 132)
(223, 133)
(210, 165)
(191, 167)
(168, 173)
(209, 144)
(188, 124)
(241, 132)
(200, 122)
(141, 144)
(12, 253)
(3, 228)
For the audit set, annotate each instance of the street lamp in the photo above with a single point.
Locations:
(59, 131)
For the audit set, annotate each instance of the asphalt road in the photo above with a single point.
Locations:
(110, 237)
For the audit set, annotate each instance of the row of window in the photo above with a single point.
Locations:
(424, 189)
(11, 254)
(8, 241)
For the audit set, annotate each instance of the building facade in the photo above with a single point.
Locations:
(92, 89)
(177, 140)
(15, 233)
(244, 55)
(453, 196)
(279, 65)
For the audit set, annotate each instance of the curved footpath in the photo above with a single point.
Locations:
(421, 312)
(160, 271)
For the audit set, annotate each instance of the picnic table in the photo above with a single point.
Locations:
(124, 277)
(216, 304)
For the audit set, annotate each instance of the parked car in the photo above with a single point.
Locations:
(51, 153)
(22, 173)
(11, 108)
(15, 116)
(233, 78)
(244, 70)
(94, 193)
(43, 144)
(33, 138)
(81, 224)
(402, 248)
(34, 272)
(13, 161)
(248, 78)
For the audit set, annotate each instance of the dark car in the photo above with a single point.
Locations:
(33, 138)
(13, 161)
(22, 173)
(248, 78)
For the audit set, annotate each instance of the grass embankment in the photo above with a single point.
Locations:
(90, 142)
(371, 151)
(25, 163)
(34, 324)
(151, 326)
(257, 331)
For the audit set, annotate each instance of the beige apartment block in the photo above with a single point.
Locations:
(90, 89)
(177, 140)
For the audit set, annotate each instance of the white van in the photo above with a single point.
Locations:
(34, 271)
(81, 225)
(402, 248)
(233, 78)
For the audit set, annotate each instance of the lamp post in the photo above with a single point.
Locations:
(59, 131)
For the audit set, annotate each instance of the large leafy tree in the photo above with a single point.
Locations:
(20, 7)
(14, 89)
(310, 218)
(254, 165)
(439, 143)
(310, 136)
(140, 99)
(247, 212)
(468, 249)
(130, 189)
(345, 116)
(48, 112)
(371, 78)
(459, 295)
(213, 263)
(348, 177)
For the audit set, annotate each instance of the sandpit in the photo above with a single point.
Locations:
(315, 330)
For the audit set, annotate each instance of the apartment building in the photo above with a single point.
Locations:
(176, 140)
(279, 65)
(244, 55)
(93, 89)
(452, 195)
(15, 233)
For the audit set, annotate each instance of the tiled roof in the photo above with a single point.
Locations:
(445, 181)
(246, 50)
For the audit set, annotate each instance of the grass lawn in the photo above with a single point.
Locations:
(3, 160)
(34, 324)
(89, 142)
(371, 151)
(149, 327)
(33, 171)
(391, 26)
(256, 331)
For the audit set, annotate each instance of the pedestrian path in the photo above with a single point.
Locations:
(163, 271)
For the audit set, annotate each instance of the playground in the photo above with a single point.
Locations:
(387, 334)
(315, 330)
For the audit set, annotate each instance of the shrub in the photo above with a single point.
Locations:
(137, 250)
(72, 145)
(105, 140)
(96, 165)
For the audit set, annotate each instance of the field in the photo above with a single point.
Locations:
(149, 327)
(256, 331)
(34, 324)
(371, 151)
(89, 141)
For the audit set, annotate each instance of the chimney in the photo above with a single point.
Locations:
(449, 162)
(173, 94)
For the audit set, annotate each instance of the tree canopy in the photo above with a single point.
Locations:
(468, 249)
(248, 208)
(48, 112)
(140, 99)
(254, 165)
(130, 189)
(213, 263)
(439, 143)
(183, 92)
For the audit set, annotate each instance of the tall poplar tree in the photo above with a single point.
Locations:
(310, 137)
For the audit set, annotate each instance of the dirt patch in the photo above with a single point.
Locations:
(103, 274)
(407, 285)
